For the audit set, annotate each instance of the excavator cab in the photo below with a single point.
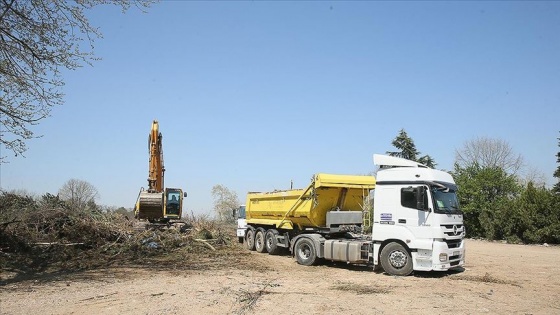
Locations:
(173, 203)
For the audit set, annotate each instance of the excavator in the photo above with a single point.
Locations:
(158, 204)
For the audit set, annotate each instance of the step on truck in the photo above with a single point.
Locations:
(417, 223)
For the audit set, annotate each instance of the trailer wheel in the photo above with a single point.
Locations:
(271, 242)
(396, 260)
(259, 241)
(305, 252)
(250, 239)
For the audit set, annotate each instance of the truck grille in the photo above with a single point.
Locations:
(453, 229)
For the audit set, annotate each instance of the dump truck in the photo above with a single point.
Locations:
(417, 224)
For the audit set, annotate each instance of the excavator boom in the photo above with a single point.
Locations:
(155, 149)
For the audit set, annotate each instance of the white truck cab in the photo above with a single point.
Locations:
(416, 207)
(239, 214)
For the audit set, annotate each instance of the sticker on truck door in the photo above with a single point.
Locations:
(386, 217)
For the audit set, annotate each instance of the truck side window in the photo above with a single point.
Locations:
(408, 198)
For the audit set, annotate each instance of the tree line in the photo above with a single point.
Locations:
(497, 201)
(75, 195)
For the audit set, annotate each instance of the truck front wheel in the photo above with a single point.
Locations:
(305, 252)
(259, 241)
(396, 260)
(250, 239)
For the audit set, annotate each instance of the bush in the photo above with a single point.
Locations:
(496, 207)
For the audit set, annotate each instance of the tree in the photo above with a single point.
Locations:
(38, 40)
(532, 175)
(485, 196)
(79, 194)
(224, 201)
(49, 201)
(556, 187)
(537, 216)
(489, 153)
(408, 150)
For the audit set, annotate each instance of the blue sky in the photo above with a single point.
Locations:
(253, 94)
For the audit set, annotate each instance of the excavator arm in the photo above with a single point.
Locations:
(156, 168)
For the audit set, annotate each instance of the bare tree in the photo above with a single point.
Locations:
(487, 152)
(78, 194)
(224, 201)
(532, 175)
(39, 39)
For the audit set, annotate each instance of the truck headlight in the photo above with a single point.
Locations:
(442, 257)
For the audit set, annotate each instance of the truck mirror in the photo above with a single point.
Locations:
(185, 194)
(234, 213)
(420, 191)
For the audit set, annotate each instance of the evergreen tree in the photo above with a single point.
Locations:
(407, 150)
(485, 195)
(535, 218)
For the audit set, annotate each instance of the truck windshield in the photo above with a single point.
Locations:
(445, 200)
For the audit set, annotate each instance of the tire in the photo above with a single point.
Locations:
(259, 241)
(271, 242)
(396, 260)
(250, 239)
(305, 252)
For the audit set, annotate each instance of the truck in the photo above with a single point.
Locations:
(417, 223)
(239, 215)
(157, 204)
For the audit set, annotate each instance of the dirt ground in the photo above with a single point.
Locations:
(498, 279)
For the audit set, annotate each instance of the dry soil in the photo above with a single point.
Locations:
(497, 279)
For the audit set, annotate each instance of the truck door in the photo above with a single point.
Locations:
(414, 210)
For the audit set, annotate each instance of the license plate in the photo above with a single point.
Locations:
(456, 253)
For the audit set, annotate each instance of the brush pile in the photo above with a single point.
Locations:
(45, 233)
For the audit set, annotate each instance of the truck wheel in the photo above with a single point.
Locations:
(271, 242)
(305, 252)
(259, 241)
(250, 239)
(396, 260)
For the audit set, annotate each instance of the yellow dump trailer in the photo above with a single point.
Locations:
(308, 208)
(331, 206)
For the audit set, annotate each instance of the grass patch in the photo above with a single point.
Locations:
(360, 288)
(486, 278)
